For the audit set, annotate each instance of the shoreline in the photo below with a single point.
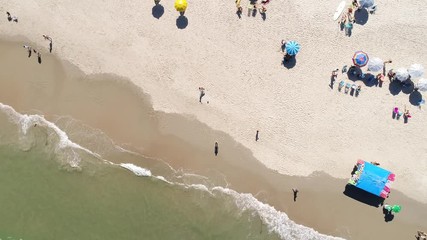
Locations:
(238, 62)
(90, 98)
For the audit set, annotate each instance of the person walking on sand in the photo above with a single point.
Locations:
(9, 17)
(216, 149)
(202, 93)
(46, 37)
(295, 190)
(29, 49)
(256, 136)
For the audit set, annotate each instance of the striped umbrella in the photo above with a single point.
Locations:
(360, 58)
(375, 64)
(416, 70)
(292, 48)
(402, 74)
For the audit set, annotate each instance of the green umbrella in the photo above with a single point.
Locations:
(396, 208)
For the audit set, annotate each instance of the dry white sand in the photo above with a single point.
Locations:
(304, 125)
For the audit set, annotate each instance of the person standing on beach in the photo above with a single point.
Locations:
(46, 37)
(202, 93)
(29, 49)
(39, 57)
(216, 149)
(256, 136)
(295, 190)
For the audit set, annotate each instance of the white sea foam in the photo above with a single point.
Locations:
(64, 145)
(138, 171)
(276, 221)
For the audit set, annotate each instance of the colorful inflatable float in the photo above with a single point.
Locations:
(372, 179)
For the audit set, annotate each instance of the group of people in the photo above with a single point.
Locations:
(39, 55)
(355, 88)
(253, 7)
(31, 50)
(397, 113)
(348, 19)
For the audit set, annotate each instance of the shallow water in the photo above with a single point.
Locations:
(42, 200)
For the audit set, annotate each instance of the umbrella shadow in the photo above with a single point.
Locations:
(289, 63)
(408, 87)
(363, 196)
(354, 73)
(361, 16)
(157, 11)
(415, 98)
(370, 80)
(182, 22)
(395, 87)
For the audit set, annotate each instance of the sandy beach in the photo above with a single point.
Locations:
(96, 100)
(305, 125)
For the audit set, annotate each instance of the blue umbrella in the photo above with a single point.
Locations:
(366, 3)
(360, 58)
(292, 48)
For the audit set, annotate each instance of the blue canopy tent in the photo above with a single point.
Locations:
(372, 179)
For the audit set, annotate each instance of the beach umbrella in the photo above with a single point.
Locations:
(416, 70)
(422, 84)
(292, 48)
(181, 5)
(375, 64)
(396, 208)
(366, 3)
(360, 58)
(402, 74)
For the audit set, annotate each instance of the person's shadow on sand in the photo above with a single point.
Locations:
(289, 62)
(263, 16)
(158, 11)
(388, 216)
(182, 22)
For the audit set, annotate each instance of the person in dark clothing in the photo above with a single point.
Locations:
(295, 190)
(216, 149)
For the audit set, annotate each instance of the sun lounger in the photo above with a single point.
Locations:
(341, 85)
(372, 9)
(347, 87)
(358, 89)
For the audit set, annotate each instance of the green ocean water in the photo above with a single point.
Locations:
(42, 197)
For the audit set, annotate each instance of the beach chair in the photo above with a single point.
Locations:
(347, 87)
(358, 89)
(372, 9)
(341, 85)
(344, 69)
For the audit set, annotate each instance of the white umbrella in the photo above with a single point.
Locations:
(422, 84)
(402, 74)
(416, 70)
(366, 3)
(375, 64)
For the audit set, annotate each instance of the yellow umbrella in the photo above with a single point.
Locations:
(181, 5)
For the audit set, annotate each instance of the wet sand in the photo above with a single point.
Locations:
(123, 112)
